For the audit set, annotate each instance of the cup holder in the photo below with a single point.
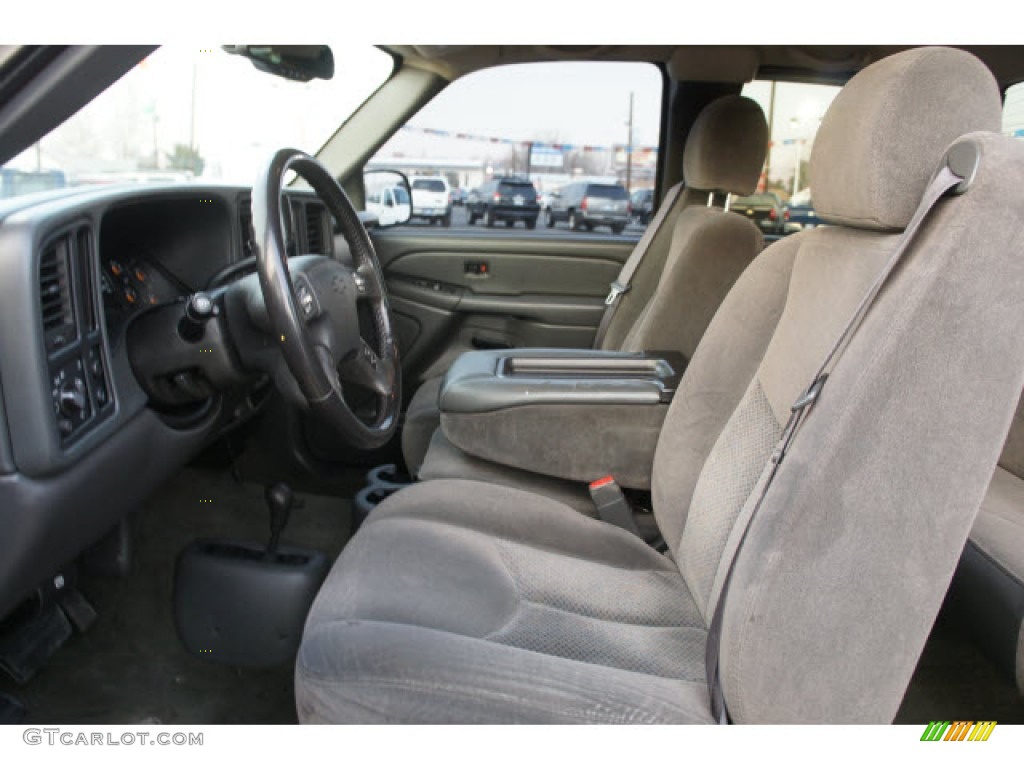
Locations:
(388, 475)
(381, 482)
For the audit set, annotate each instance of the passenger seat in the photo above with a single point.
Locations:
(681, 280)
(987, 593)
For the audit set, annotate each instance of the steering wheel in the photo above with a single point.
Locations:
(314, 305)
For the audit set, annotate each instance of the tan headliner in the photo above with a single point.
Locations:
(717, 63)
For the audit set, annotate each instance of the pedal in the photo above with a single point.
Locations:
(78, 610)
(12, 711)
(28, 642)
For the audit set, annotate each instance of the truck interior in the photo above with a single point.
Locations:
(268, 456)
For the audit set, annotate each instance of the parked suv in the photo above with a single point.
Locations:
(431, 199)
(507, 199)
(586, 205)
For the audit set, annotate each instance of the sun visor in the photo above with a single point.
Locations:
(715, 63)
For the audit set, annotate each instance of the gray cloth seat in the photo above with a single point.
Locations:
(988, 590)
(465, 602)
(519, 602)
(687, 269)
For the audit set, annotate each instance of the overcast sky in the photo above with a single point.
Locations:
(240, 114)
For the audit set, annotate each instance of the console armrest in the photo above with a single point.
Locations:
(573, 414)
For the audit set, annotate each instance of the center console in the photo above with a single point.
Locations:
(572, 414)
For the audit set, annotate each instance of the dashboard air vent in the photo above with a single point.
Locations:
(55, 294)
(87, 267)
(315, 239)
(245, 222)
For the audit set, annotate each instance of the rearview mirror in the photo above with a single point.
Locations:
(292, 62)
(388, 196)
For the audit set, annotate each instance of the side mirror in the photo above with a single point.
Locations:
(388, 196)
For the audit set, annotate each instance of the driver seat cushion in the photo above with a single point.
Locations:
(466, 602)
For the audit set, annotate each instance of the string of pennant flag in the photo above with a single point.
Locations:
(516, 142)
(553, 146)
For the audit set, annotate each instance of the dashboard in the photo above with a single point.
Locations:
(81, 443)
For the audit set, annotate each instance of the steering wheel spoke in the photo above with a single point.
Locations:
(367, 284)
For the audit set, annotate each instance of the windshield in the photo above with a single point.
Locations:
(188, 113)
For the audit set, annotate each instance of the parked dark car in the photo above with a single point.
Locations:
(457, 196)
(507, 199)
(802, 216)
(764, 209)
(585, 205)
(642, 201)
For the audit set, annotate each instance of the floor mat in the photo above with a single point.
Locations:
(954, 680)
(130, 667)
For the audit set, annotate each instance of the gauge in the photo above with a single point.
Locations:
(140, 274)
(130, 294)
(116, 268)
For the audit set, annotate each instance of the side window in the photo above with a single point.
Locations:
(784, 203)
(494, 146)
(1013, 111)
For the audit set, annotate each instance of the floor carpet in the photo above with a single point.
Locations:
(130, 667)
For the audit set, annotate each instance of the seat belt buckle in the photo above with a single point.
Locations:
(617, 289)
(612, 505)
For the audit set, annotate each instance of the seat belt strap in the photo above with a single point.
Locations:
(624, 281)
(943, 181)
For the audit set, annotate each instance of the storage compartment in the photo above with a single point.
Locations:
(604, 367)
(234, 604)
(572, 414)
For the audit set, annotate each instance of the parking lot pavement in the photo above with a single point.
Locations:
(560, 231)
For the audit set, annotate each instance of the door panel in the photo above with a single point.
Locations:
(454, 292)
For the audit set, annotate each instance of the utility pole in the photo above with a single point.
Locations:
(192, 117)
(529, 158)
(771, 127)
(629, 147)
(156, 146)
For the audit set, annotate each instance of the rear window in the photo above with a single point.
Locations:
(755, 200)
(517, 188)
(430, 185)
(607, 191)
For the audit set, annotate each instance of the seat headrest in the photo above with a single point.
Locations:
(726, 147)
(885, 134)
